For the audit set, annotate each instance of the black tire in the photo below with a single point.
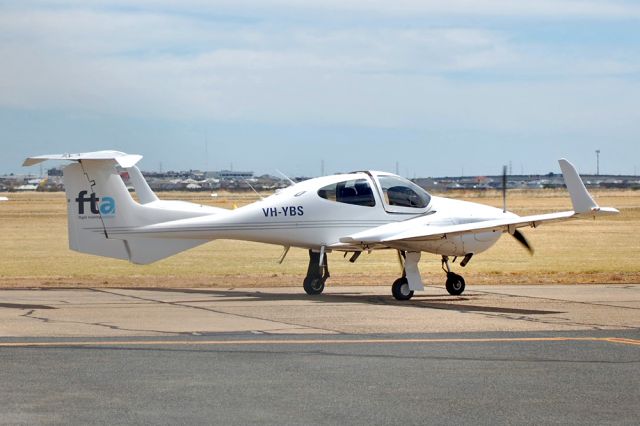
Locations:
(455, 284)
(313, 285)
(400, 289)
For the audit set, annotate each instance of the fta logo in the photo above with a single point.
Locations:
(105, 206)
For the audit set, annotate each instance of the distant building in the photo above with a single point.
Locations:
(27, 188)
(231, 175)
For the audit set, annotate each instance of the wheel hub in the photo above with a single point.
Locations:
(405, 290)
(316, 283)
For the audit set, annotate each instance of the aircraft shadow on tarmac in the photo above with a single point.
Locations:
(442, 302)
(24, 306)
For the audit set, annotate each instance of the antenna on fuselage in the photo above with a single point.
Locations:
(254, 190)
(285, 176)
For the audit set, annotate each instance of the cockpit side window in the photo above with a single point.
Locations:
(403, 193)
(357, 192)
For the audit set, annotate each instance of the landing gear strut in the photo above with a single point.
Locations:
(317, 273)
(455, 283)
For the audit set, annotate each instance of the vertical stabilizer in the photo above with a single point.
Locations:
(98, 203)
(89, 203)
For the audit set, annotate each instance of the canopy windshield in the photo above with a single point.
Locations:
(402, 193)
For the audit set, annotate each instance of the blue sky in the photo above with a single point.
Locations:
(441, 87)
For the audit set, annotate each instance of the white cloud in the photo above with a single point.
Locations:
(150, 63)
(603, 9)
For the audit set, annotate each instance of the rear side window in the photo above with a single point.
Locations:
(357, 192)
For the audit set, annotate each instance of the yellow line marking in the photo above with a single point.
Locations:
(624, 341)
(298, 342)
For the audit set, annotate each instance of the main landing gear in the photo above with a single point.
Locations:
(400, 289)
(317, 273)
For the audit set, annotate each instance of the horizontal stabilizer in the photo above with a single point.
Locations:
(123, 159)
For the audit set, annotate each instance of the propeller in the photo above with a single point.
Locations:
(516, 234)
(504, 189)
(522, 240)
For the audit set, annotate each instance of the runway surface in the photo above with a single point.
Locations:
(498, 355)
(113, 312)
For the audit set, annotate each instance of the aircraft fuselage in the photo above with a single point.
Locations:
(299, 217)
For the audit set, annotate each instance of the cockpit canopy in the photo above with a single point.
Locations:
(397, 194)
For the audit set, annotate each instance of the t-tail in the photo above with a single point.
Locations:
(99, 203)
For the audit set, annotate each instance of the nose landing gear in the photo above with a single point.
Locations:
(455, 283)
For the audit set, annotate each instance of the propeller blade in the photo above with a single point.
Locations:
(504, 189)
(522, 240)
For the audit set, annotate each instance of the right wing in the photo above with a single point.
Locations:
(421, 229)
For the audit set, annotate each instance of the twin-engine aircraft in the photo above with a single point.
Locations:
(352, 213)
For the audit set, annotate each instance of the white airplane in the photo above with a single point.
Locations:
(352, 213)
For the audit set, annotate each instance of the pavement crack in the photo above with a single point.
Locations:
(31, 315)
(216, 311)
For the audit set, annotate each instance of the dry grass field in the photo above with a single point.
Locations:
(34, 252)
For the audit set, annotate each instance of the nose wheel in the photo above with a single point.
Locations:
(313, 286)
(455, 283)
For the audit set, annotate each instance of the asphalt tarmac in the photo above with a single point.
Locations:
(498, 355)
